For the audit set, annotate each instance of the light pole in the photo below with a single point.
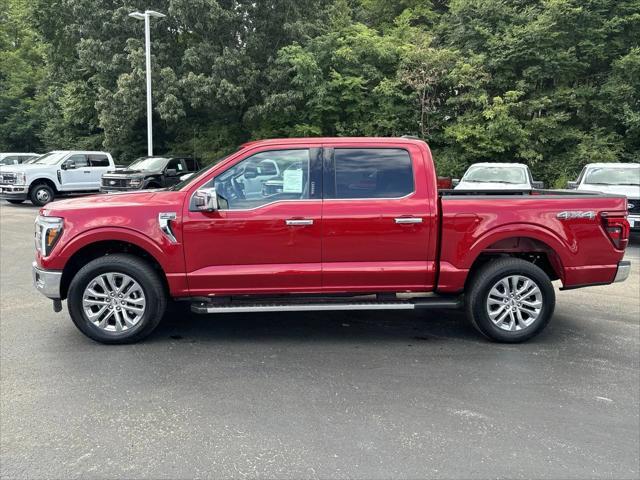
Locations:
(147, 41)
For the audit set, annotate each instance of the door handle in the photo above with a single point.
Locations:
(86, 171)
(294, 222)
(407, 220)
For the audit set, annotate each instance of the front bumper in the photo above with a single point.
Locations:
(634, 221)
(624, 268)
(47, 282)
(14, 192)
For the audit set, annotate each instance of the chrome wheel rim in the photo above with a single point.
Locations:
(42, 195)
(514, 303)
(114, 302)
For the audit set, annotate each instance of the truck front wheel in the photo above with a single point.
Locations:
(510, 300)
(41, 194)
(116, 299)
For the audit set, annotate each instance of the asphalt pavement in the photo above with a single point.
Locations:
(316, 395)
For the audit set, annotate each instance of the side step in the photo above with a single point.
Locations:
(312, 305)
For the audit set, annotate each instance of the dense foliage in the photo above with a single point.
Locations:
(553, 83)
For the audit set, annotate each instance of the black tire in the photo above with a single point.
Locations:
(141, 272)
(481, 284)
(15, 202)
(41, 194)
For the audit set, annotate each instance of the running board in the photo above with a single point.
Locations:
(246, 307)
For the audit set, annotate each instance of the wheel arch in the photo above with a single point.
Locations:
(45, 180)
(530, 243)
(84, 250)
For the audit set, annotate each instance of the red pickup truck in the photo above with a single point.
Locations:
(325, 224)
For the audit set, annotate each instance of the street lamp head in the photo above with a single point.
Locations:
(137, 15)
(153, 13)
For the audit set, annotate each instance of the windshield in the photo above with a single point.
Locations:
(148, 163)
(486, 174)
(50, 158)
(613, 176)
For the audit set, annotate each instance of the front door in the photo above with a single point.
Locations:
(265, 237)
(76, 174)
(377, 220)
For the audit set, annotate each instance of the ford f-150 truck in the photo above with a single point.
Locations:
(56, 173)
(358, 225)
(148, 173)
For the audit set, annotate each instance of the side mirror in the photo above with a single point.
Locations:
(68, 165)
(455, 182)
(572, 185)
(206, 200)
(171, 172)
(537, 184)
(185, 176)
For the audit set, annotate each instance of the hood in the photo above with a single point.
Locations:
(125, 172)
(109, 201)
(492, 186)
(631, 191)
(22, 167)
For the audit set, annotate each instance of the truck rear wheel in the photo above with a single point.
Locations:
(116, 299)
(41, 194)
(510, 300)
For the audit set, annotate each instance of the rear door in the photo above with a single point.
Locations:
(98, 165)
(377, 219)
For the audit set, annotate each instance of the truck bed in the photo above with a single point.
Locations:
(565, 227)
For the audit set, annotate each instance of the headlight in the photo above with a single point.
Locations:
(135, 182)
(21, 179)
(48, 231)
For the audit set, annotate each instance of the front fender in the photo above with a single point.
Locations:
(168, 255)
(33, 178)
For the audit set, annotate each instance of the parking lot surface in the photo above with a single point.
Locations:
(325, 395)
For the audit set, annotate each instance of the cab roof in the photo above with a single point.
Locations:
(497, 164)
(303, 140)
(612, 165)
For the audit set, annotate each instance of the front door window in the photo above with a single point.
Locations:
(264, 178)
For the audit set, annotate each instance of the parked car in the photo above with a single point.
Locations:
(57, 173)
(497, 176)
(620, 178)
(16, 158)
(147, 173)
(359, 225)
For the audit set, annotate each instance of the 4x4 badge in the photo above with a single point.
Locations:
(576, 214)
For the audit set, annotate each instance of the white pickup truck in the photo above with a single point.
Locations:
(57, 173)
(616, 178)
(497, 176)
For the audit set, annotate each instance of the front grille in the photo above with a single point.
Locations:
(634, 206)
(7, 178)
(115, 182)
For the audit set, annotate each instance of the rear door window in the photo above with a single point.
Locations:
(98, 161)
(372, 173)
